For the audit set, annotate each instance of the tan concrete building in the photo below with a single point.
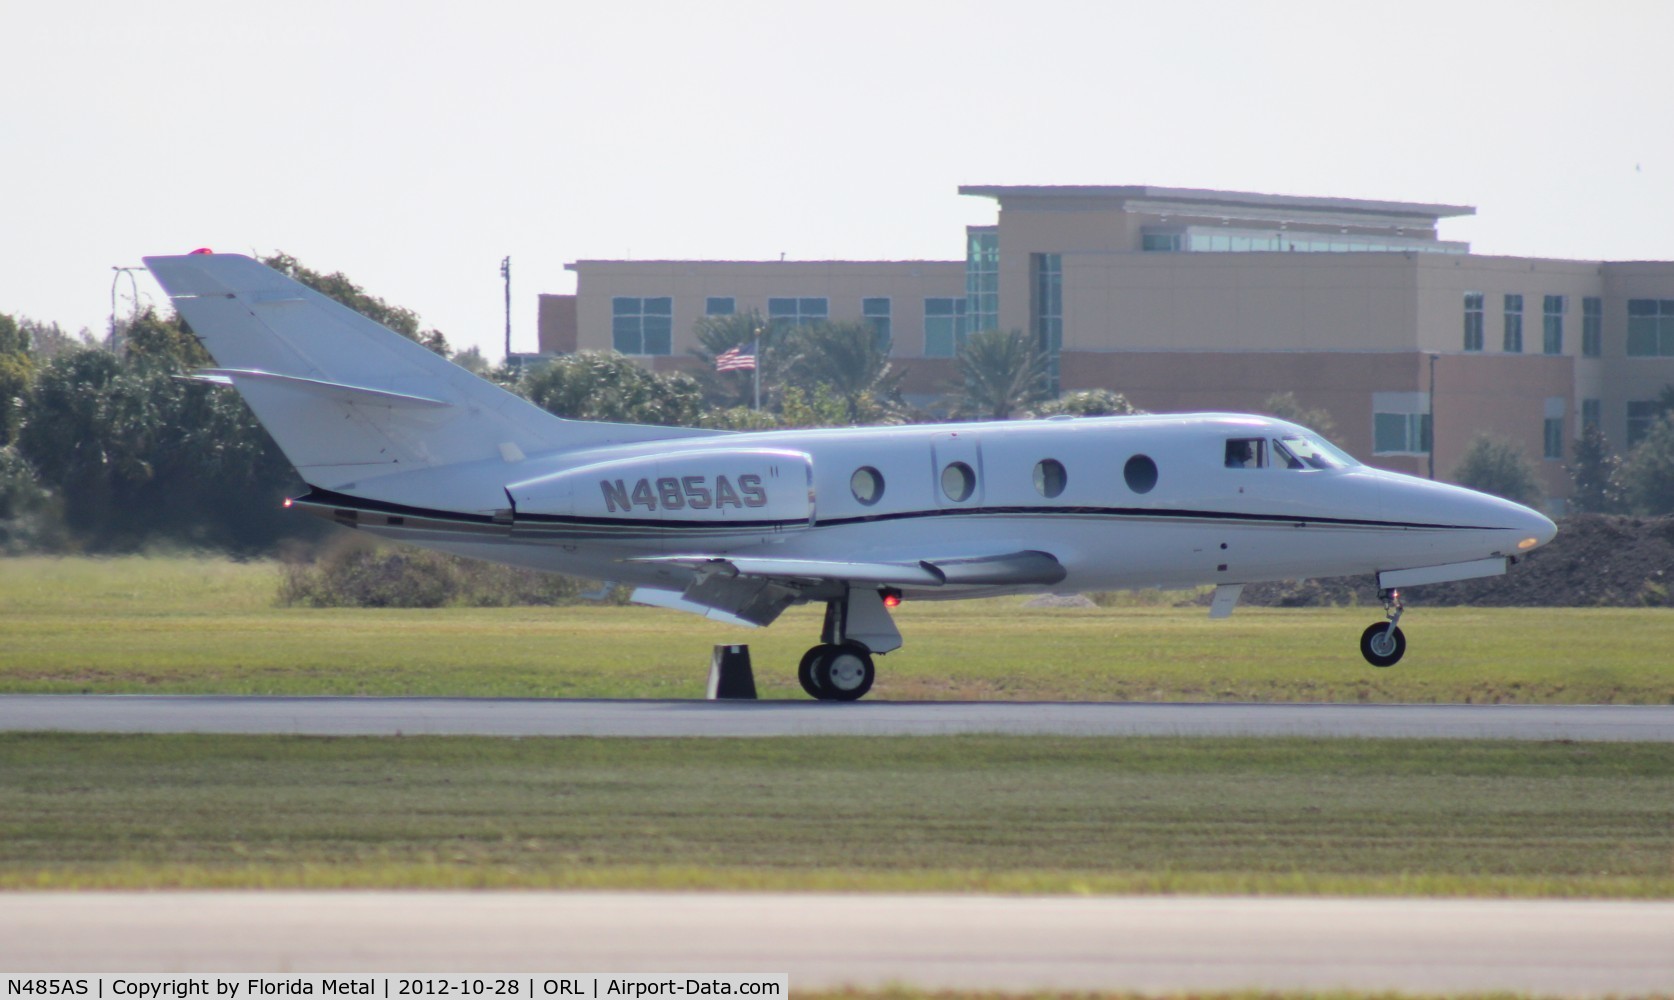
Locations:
(1189, 299)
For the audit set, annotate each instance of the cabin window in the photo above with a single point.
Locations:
(958, 482)
(1141, 474)
(1050, 477)
(1246, 453)
(867, 484)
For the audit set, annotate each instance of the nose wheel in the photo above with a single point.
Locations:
(837, 672)
(1383, 644)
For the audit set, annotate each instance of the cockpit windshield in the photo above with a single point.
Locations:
(1295, 451)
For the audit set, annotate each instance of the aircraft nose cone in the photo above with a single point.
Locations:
(1537, 526)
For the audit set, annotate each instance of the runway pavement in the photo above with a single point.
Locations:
(331, 716)
(1566, 947)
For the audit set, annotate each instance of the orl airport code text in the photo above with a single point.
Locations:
(110, 986)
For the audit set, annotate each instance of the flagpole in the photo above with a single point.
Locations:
(756, 369)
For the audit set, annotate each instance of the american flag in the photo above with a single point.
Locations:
(740, 358)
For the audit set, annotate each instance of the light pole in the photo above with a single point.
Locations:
(133, 292)
(505, 272)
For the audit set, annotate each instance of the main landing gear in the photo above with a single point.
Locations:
(857, 626)
(1382, 644)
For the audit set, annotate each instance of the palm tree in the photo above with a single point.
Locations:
(1001, 375)
(849, 361)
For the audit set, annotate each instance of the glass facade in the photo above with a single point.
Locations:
(782, 314)
(1222, 239)
(1592, 327)
(944, 327)
(719, 305)
(1046, 272)
(1552, 324)
(1650, 328)
(1514, 324)
(876, 312)
(1641, 414)
(1553, 430)
(982, 278)
(642, 325)
(1473, 321)
(1591, 413)
(1401, 423)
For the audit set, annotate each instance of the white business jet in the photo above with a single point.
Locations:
(396, 441)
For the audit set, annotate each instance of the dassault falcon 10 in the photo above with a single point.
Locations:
(396, 441)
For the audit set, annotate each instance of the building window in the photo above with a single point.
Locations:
(1048, 310)
(982, 278)
(876, 312)
(1473, 321)
(1514, 324)
(1401, 423)
(1591, 414)
(1650, 328)
(642, 325)
(720, 305)
(1552, 324)
(782, 314)
(1592, 326)
(944, 327)
(1165, 242)
(1641, 414)
(1554, 428)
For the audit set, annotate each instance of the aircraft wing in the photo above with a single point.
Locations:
(756, 589)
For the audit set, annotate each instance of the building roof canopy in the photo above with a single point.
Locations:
(1216, 202)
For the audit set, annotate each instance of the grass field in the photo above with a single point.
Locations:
(992, 814)
(191, 625)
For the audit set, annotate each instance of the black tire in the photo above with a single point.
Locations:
(1380, 646)
(844, 673)
(805, 671)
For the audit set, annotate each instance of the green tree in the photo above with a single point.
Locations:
(338, 286)
(1089, 403)
(17, 368)
(848, 360)
(1493, 465)
(1648, 471)
(1001, 375)
(1596, 475)
(599, 385)
(1286, 406)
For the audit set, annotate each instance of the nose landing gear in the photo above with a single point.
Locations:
(1383, 644)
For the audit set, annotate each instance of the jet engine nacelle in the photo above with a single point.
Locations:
(729, 486)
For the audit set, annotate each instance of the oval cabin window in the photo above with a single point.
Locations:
(867, 485)
(1141, 474)
(958, 482)
(1050, 477)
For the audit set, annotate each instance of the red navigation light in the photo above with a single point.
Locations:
(287, 503)
(891, 598)
(200, 250)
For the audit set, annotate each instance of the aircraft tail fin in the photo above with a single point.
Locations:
(346, 399)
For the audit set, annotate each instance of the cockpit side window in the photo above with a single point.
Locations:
(1298, 452)
(1246, 453)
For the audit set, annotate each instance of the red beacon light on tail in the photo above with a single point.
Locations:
(199, 250)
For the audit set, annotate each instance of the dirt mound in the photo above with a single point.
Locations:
(1596, 560)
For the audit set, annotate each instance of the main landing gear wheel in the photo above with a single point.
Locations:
(1382, 644)
(837, 673)
(805, 672)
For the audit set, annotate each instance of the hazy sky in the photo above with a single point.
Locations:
(412, 145)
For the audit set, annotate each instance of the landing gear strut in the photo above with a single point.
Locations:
(1383, 644)
(840, 668)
